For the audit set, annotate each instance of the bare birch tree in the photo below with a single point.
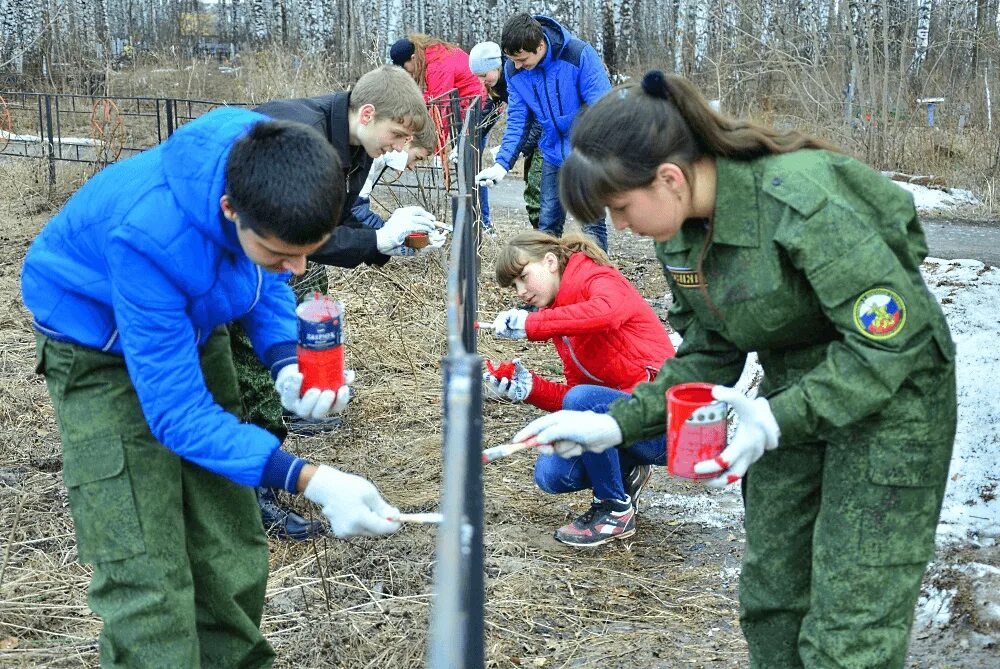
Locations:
(922, 36)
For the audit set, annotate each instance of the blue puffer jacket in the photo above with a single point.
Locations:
(569, 76)
(141, 263)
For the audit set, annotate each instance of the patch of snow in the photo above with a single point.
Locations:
(934, 608)
(934, 199)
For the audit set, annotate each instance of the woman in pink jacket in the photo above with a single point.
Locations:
(437, 67)
(609, 340)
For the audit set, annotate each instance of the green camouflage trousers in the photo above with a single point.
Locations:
(179, 553)
(532, 186)
(261, 405)
(839, 533)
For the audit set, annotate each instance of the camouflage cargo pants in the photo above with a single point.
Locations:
(532, 186)
(261, 405)
(839, 534)
(179, 553)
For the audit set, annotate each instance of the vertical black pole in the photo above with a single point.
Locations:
(170, 116)
(51, 140)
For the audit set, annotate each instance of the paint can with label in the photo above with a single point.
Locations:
(696, 428)
(320, 347)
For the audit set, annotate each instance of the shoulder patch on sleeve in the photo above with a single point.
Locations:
(879, 314)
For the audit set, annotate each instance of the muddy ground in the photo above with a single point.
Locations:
(665, 598)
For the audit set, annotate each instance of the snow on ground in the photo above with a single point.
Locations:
(938, 200)
(969, 292)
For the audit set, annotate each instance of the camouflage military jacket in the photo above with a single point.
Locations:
(814, 264)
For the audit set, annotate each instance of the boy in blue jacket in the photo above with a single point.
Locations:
(130, 285)
(551, 74)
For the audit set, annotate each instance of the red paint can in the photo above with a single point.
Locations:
(696, 428)
(321, 342)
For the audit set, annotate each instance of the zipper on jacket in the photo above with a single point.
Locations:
(552, 112)
(260, 285)
(576, 361)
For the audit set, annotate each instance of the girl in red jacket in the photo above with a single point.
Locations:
(609, 340)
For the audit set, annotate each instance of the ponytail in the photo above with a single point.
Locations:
(620, 141)
(532, 245)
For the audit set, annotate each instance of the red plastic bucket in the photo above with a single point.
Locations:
(696, 428)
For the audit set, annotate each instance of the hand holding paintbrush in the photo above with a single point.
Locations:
(503, 450)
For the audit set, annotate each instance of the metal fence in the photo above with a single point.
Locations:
(89, 128)
(456, 623)
(100, 130)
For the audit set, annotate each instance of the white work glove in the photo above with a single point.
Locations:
(491, 176)
(397, 160)
(389, 238)
(756, 432)
(510, 324)
(352, 504)
(570, 433)
(314, 403)
(516, 388)
(373, 174)
(453, 156)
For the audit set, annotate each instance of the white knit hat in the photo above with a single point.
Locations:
(484, 57)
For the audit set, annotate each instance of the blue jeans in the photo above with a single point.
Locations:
(363, 212)
(601, 472)
(552, 216)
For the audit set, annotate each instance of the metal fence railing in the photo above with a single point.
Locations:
(457, 614)
(89, 128)
(100, 130)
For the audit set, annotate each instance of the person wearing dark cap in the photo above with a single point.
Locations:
(439, 67)
(552, 74)
(487, 62)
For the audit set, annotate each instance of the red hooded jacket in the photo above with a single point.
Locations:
(446, 69)
(604, 331)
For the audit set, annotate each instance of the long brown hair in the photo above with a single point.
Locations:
(620, 141)
(532, 245)
(421, 42)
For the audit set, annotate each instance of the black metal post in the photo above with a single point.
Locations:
(170, 116)
(51, 148)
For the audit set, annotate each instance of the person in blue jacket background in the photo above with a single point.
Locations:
(551, 75)
(130, 286)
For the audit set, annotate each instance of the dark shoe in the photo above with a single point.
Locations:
(605, 521)
(285, 523)
(635, 480)
(310, 427)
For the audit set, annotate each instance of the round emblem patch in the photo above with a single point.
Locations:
(879, 313)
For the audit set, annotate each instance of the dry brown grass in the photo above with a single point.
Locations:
(365, 603)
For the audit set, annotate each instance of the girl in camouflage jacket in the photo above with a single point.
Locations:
(771, 242)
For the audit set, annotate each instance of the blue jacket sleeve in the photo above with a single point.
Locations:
(593, 77)
(271, 323)
(518, 127)
(362, 211)
(160, 349)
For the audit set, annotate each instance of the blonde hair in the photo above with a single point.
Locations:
(531, 246)
(420, 44)
(394, 95)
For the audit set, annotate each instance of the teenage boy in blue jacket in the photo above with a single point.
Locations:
(552, 75)
(130, 286)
